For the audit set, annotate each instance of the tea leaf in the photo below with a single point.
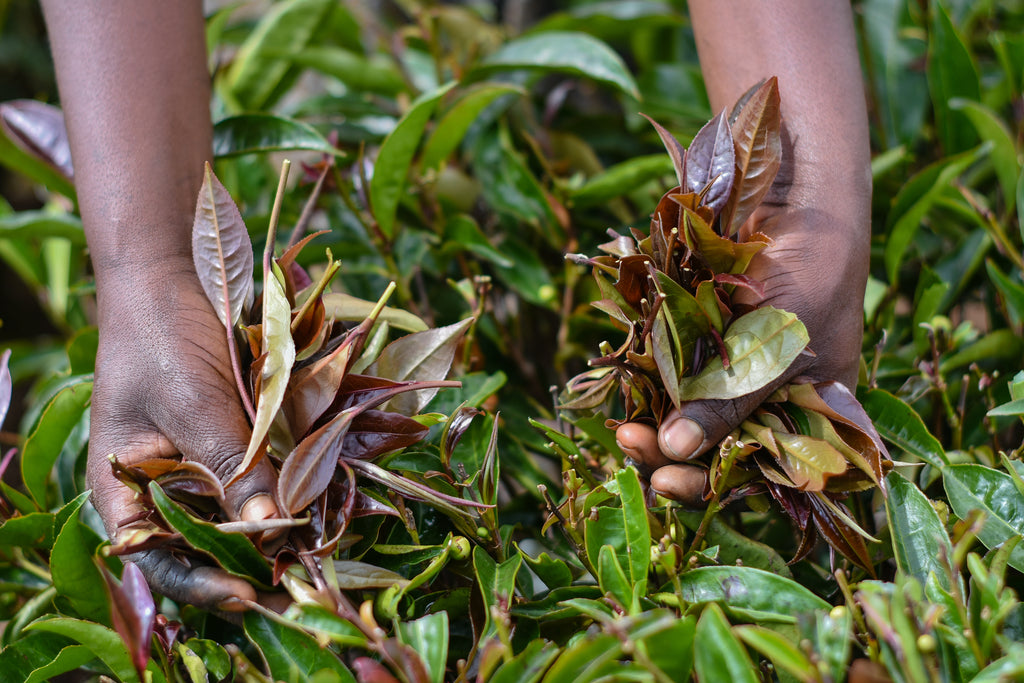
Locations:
(396, 153)
(453, 125)
(43, 446)
(232, 551)
(976, 487)
(951, 75)
(38, 140)
(496, 582)
(74, 574)
(375, 73)
(353, 575)
(254, 79)
(566, 52)
(758, 155)
(262, 133)
(42, 223)
(675, 150)
(994, 130)
(100, 640)
(779, 650)
(711, 163)
(761, 346)
(68, 659)
(612, 578)
(720, 654)
(222, 251)
(279, 352)
(5, 384)
(761, 595)
(326, 623)
(346, 307)
(809, 461)
(426, 355)
(897, 422)
(310, 467)
(376, 432)
(623, 528)
(133, 613)
(919, 540)
(291, 654)
(621, 179)
(428, 636)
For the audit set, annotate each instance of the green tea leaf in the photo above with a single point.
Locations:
(1011, 291)
(462, 232)
(976, 487)
(280, 355)
(44, 444)
(951, 75)
(326, 623)
(34, 530)
(563, 52)
(808, 461)
(420, 356)
(720, 655)
(214, 657)
(919, 540)
(750, 591)
(780, 651)
(761, 346)
(496, 583)
(586, 659)
(899, 424)
(993, 130)
(75, 576)
(392, 165)
(453, 125)
(256, 74)
(100, 640)
(346, 307)
(39, 224)
(612, 579)
(376, 73)
(232, 551)
(621, 179)
(428, 636)
(529, 665)
(262, 133)
(68, 659)
(291, 654)
(624, 528)
(222, 251)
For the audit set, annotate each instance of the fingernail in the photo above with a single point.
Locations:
(681, 438)
(259, 507)
(231, 605)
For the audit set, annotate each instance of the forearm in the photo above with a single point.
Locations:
(135, 91)
(810, 45)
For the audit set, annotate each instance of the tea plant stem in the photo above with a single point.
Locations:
(714, 505)
(22, 561)
(275, 214)
(236, 370)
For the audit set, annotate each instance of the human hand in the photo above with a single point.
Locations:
(164, 389)
(816, 268)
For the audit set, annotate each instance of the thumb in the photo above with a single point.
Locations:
(697, 426)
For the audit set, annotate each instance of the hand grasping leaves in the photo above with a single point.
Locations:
(681, 293)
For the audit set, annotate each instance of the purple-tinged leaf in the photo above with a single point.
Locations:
(758, 138)
(191, 478)
(222, 251)
(711, 163)
(38, 129)
(133, 613)
(313, 389)
(310, 467)
(371, 671)
(377, 431)
(745, 281)
(5, 385)
(411, 489)
(426, 356)
(454, 428)
(674, 149)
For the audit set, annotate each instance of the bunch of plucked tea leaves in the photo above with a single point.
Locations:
(688, 338)
(325, 398)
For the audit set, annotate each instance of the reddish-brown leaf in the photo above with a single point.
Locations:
(310, 467)
(757, 134)
(711, 163)
(674, 149)
(133, 613)
(377, 431)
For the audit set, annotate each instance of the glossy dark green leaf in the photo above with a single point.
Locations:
(428, 637)
(914, 200)
(68, 659)
(711, 163)
(951, 75)
(39, 224)
(291, 654)
(612, 578)
(452, 127)
(623, 528)
(1013, 408)
(671, 649)
(622, 178)
(214, 657)
(100, 640)
(462, 232)
(232, 551)
(392, 165)
(920, 543)
(780, 651)
(586, 659)
(527, 276)
(761, 346)
(529, 665)
(899, 424)
(734, 547)
(44, 444)
(993, 130)
(1001, 344)
(750, 591)
(34, 530)
(222, 251)
(327, 624)
(375, 73)
(496, 583)
(262, 133)
(757, 134)
(75, 576)
(563, 52)
(253, 81)
(421, 356)
(976, 487)
(720, 656)
(1012, 292)
(554, 572)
